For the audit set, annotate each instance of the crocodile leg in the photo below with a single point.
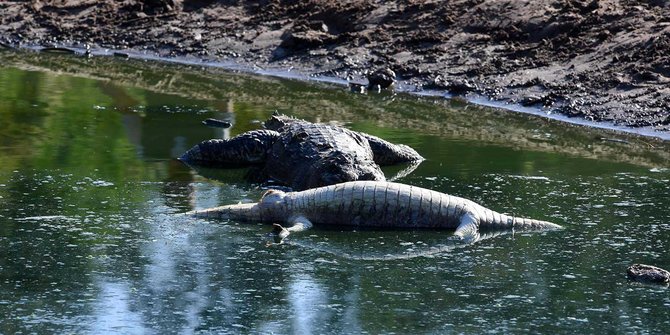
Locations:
(387, 153)
(245, 149)
(297, 224)
(468, 229)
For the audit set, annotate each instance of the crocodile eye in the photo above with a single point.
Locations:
(300, 136)
(272, 196)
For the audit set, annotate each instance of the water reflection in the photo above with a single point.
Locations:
(308, 299)
(88, 242)
(255, 98)
(380, 245)
(112, 311)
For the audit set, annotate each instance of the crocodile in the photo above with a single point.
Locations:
(372, 204)
(302, 155)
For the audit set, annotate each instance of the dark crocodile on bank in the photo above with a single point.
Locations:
(302, 155)
(373, 204)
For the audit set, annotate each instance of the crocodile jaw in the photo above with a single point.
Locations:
(241, 212)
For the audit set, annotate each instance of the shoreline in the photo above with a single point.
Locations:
(601, 61)
(296, 74)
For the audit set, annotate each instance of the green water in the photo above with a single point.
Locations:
(88, 186)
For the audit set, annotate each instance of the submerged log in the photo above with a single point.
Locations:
(215, 123)
(648, 274)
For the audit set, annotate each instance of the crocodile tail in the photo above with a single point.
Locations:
(518, 223)
(534, 225)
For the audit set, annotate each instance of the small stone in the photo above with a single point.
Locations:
(531, 100)
(648, 274)
(461, 86)
(382, 78)
(357, 88)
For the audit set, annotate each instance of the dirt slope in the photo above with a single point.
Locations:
(600, 60)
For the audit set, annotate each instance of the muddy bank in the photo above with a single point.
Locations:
(597, 60)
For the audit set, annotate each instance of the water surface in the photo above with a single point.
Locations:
(88, 186)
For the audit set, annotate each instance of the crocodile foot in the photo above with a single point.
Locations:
(279, 233)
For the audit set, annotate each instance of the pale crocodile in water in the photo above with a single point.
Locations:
(373, 204)
(302, 155)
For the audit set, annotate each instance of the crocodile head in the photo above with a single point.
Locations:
(277, 121)
(272, 206)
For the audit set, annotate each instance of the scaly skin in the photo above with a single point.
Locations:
(308, 155)
(246, 149)
(374, 204)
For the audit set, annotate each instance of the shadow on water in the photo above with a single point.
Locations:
(376, 245)
(88, 186)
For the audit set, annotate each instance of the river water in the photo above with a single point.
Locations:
(89, 186)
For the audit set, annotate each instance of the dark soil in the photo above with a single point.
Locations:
(597, 60)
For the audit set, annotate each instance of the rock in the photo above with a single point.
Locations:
(301, 39)
(357, 88)
(461, 86)
(546, 100)
(159, 5)
(530, 100)
(381, 79)
(648, 274)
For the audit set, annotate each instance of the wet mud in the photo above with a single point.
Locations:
(596, 60)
